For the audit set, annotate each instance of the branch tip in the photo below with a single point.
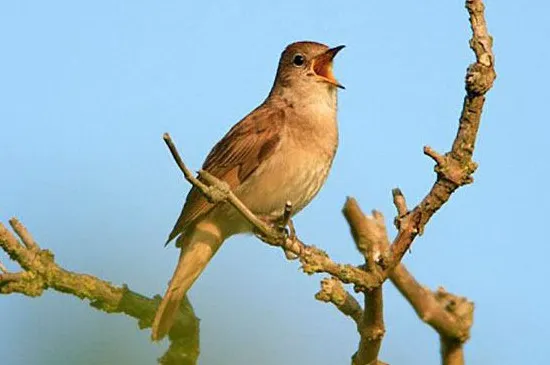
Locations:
(434, 155)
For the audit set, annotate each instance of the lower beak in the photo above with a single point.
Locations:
(322, 66)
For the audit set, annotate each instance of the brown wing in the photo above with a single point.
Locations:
(234, 158)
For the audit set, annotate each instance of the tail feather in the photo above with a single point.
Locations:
(197, 250)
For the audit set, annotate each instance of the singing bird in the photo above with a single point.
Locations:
(282, 151)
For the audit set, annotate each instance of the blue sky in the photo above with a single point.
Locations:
(88, 88)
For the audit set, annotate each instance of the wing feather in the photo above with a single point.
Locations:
(234, 158)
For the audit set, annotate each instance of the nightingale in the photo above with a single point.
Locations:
(282, 151)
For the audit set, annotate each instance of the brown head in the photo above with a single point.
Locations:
(307, 66)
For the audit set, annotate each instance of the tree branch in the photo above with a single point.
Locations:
(41, 272)
(454, 169)
(332, 291)
(371, 239)
(451, 316)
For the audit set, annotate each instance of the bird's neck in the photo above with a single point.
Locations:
(312, 117)
(321, 101)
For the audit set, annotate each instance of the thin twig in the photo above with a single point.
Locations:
(7, 277)
(23, 234)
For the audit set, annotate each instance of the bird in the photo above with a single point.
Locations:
(281, 152)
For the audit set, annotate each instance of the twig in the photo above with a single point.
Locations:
(401, 206)
(333, 292)
(41, 272)
(451, 316)
(23, 234)
(369, 234)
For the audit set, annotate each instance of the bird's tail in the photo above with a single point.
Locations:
(197, 250)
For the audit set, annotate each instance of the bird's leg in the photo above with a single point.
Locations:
(283, 224)
(280, 223)
(285, 220)
(292, 230)
(285, 227)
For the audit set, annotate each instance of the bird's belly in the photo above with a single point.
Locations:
(295, 176)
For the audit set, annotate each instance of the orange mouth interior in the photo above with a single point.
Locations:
(323, 67)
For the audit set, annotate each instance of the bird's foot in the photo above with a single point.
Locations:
(285, 230)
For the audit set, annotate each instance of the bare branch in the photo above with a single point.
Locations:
(23, 234)
(399, 202)
(451, 316)
(8, 277)
(452, 352)
(372, 329)
(41, 272)
(332, 291)
(454, 169)
(371, 239)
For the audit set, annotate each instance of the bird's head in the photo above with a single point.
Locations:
(308, 67)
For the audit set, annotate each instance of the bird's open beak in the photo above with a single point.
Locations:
(322, 66)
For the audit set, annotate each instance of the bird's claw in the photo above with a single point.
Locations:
(285, 230)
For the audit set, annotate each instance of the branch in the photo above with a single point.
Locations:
(451, 316)
(41, 272)
(371, 329)
(454, 169)
(333, 291)
(370, 237)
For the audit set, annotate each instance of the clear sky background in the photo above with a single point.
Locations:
(88, 88)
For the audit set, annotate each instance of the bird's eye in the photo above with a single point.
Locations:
(298, 60)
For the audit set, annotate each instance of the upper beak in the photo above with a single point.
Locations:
(322, 66)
